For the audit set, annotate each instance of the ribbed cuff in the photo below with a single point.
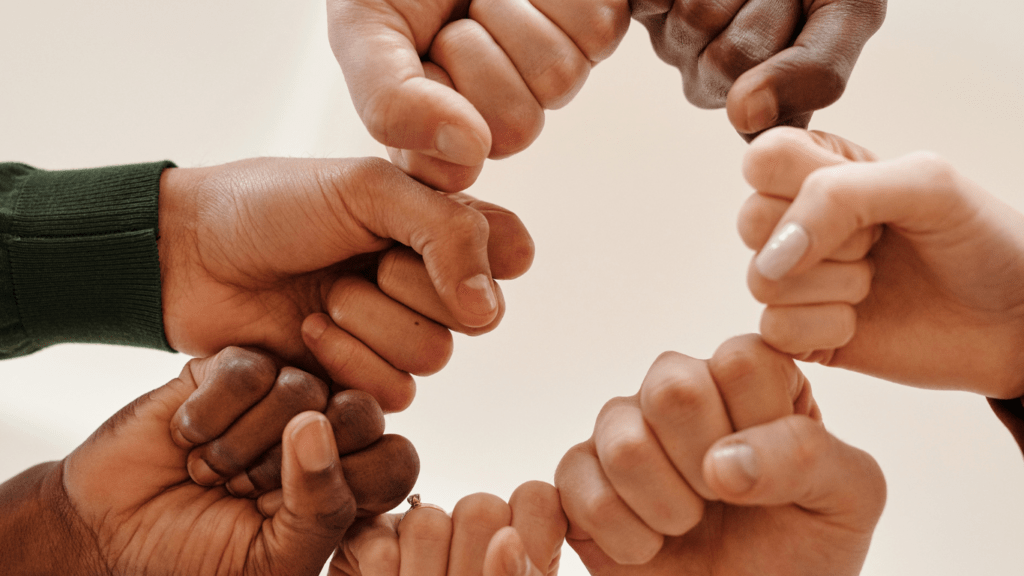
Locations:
(84, 259)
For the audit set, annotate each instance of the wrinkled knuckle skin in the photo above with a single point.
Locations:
(301, 391)
(469, 226)
(391, 266)
(732, 56)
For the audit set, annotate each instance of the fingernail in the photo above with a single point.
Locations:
(476, 295)
(736, 467)
(315, 326)
(202, 474)
(240, 486)
(783, 251)
(762, 110)
(312, 440)
(516, 564)
(460, 145)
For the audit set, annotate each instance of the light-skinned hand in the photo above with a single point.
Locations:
(446, 84)
(719, 467)
(769, 62)
(484, 536)
(902, 269)
(345, 268)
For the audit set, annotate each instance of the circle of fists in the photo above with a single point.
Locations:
(719, 467)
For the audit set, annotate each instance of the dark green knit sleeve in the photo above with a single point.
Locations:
(78, 257)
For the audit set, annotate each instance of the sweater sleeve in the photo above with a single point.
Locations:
(78, 257)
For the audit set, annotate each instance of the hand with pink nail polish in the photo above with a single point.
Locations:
(902, 269)
(719, 468)
(377, 266)
(123, 502)
(769, 63)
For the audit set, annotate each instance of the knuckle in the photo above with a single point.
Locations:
(481, 509)
(222, 458)
(393, 267)
(252, 369)
(606, 26)
(702, 15)
(939, 173)
(561, 79)
(598, 509)
(809, 442)
(623, 453)
(469, 225)
(734, 361)
(673, 398)
(515, 127)
(301, 391)
(733, 54)
(434, 351)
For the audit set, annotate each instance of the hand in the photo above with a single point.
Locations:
(770, 62)
(232, 426)
(122, 502)
(251, 250)
(902, 269)
(483, 536)
(444, 92)
(719, 467)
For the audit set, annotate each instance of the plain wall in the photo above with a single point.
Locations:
(630, 193)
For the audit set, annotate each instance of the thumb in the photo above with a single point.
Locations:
(399, 104)
(810, 75)
(318, 506)
(506, 556)
(794, 460)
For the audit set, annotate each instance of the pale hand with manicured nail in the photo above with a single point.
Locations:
(902, 269)
(719, 468)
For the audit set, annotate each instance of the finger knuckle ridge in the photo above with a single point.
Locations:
(561, 78)
(255, 370)
(514, 128)
(605, 27)
(301, 390)
(730, 364)
(672, 398)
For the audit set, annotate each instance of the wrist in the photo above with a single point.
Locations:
(40, 531)
(177, 216)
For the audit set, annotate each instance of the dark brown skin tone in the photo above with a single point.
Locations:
(770, 62)
(101, 509)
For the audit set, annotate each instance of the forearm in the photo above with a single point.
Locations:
(40, 533)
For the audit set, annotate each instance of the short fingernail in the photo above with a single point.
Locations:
(762, 110)
(315, 326)
(783, 251)
(476, 295)
(736, 467)
(240, 486)
(460, 145)
(202, 474)
(312, 440)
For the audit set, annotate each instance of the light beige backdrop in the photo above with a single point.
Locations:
(631, 196)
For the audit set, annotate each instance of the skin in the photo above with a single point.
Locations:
(912, 272)
(123, 503)
(662, 488)
(487, 70)
(484, 536)
(769, 62)
(344, 268)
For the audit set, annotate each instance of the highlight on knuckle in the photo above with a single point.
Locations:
(623, 453)
(301, 391)
(673, 398)
(252, 369)
(606, 26)
(515, 127)
(561, 78)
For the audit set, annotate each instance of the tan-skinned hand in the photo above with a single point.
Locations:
(769, 62)
(902, 269)
(484, 536)
(446, 84)
(719, 467)
(345, 268)
(123, 502)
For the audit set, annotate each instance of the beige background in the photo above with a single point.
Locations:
(630, 193)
